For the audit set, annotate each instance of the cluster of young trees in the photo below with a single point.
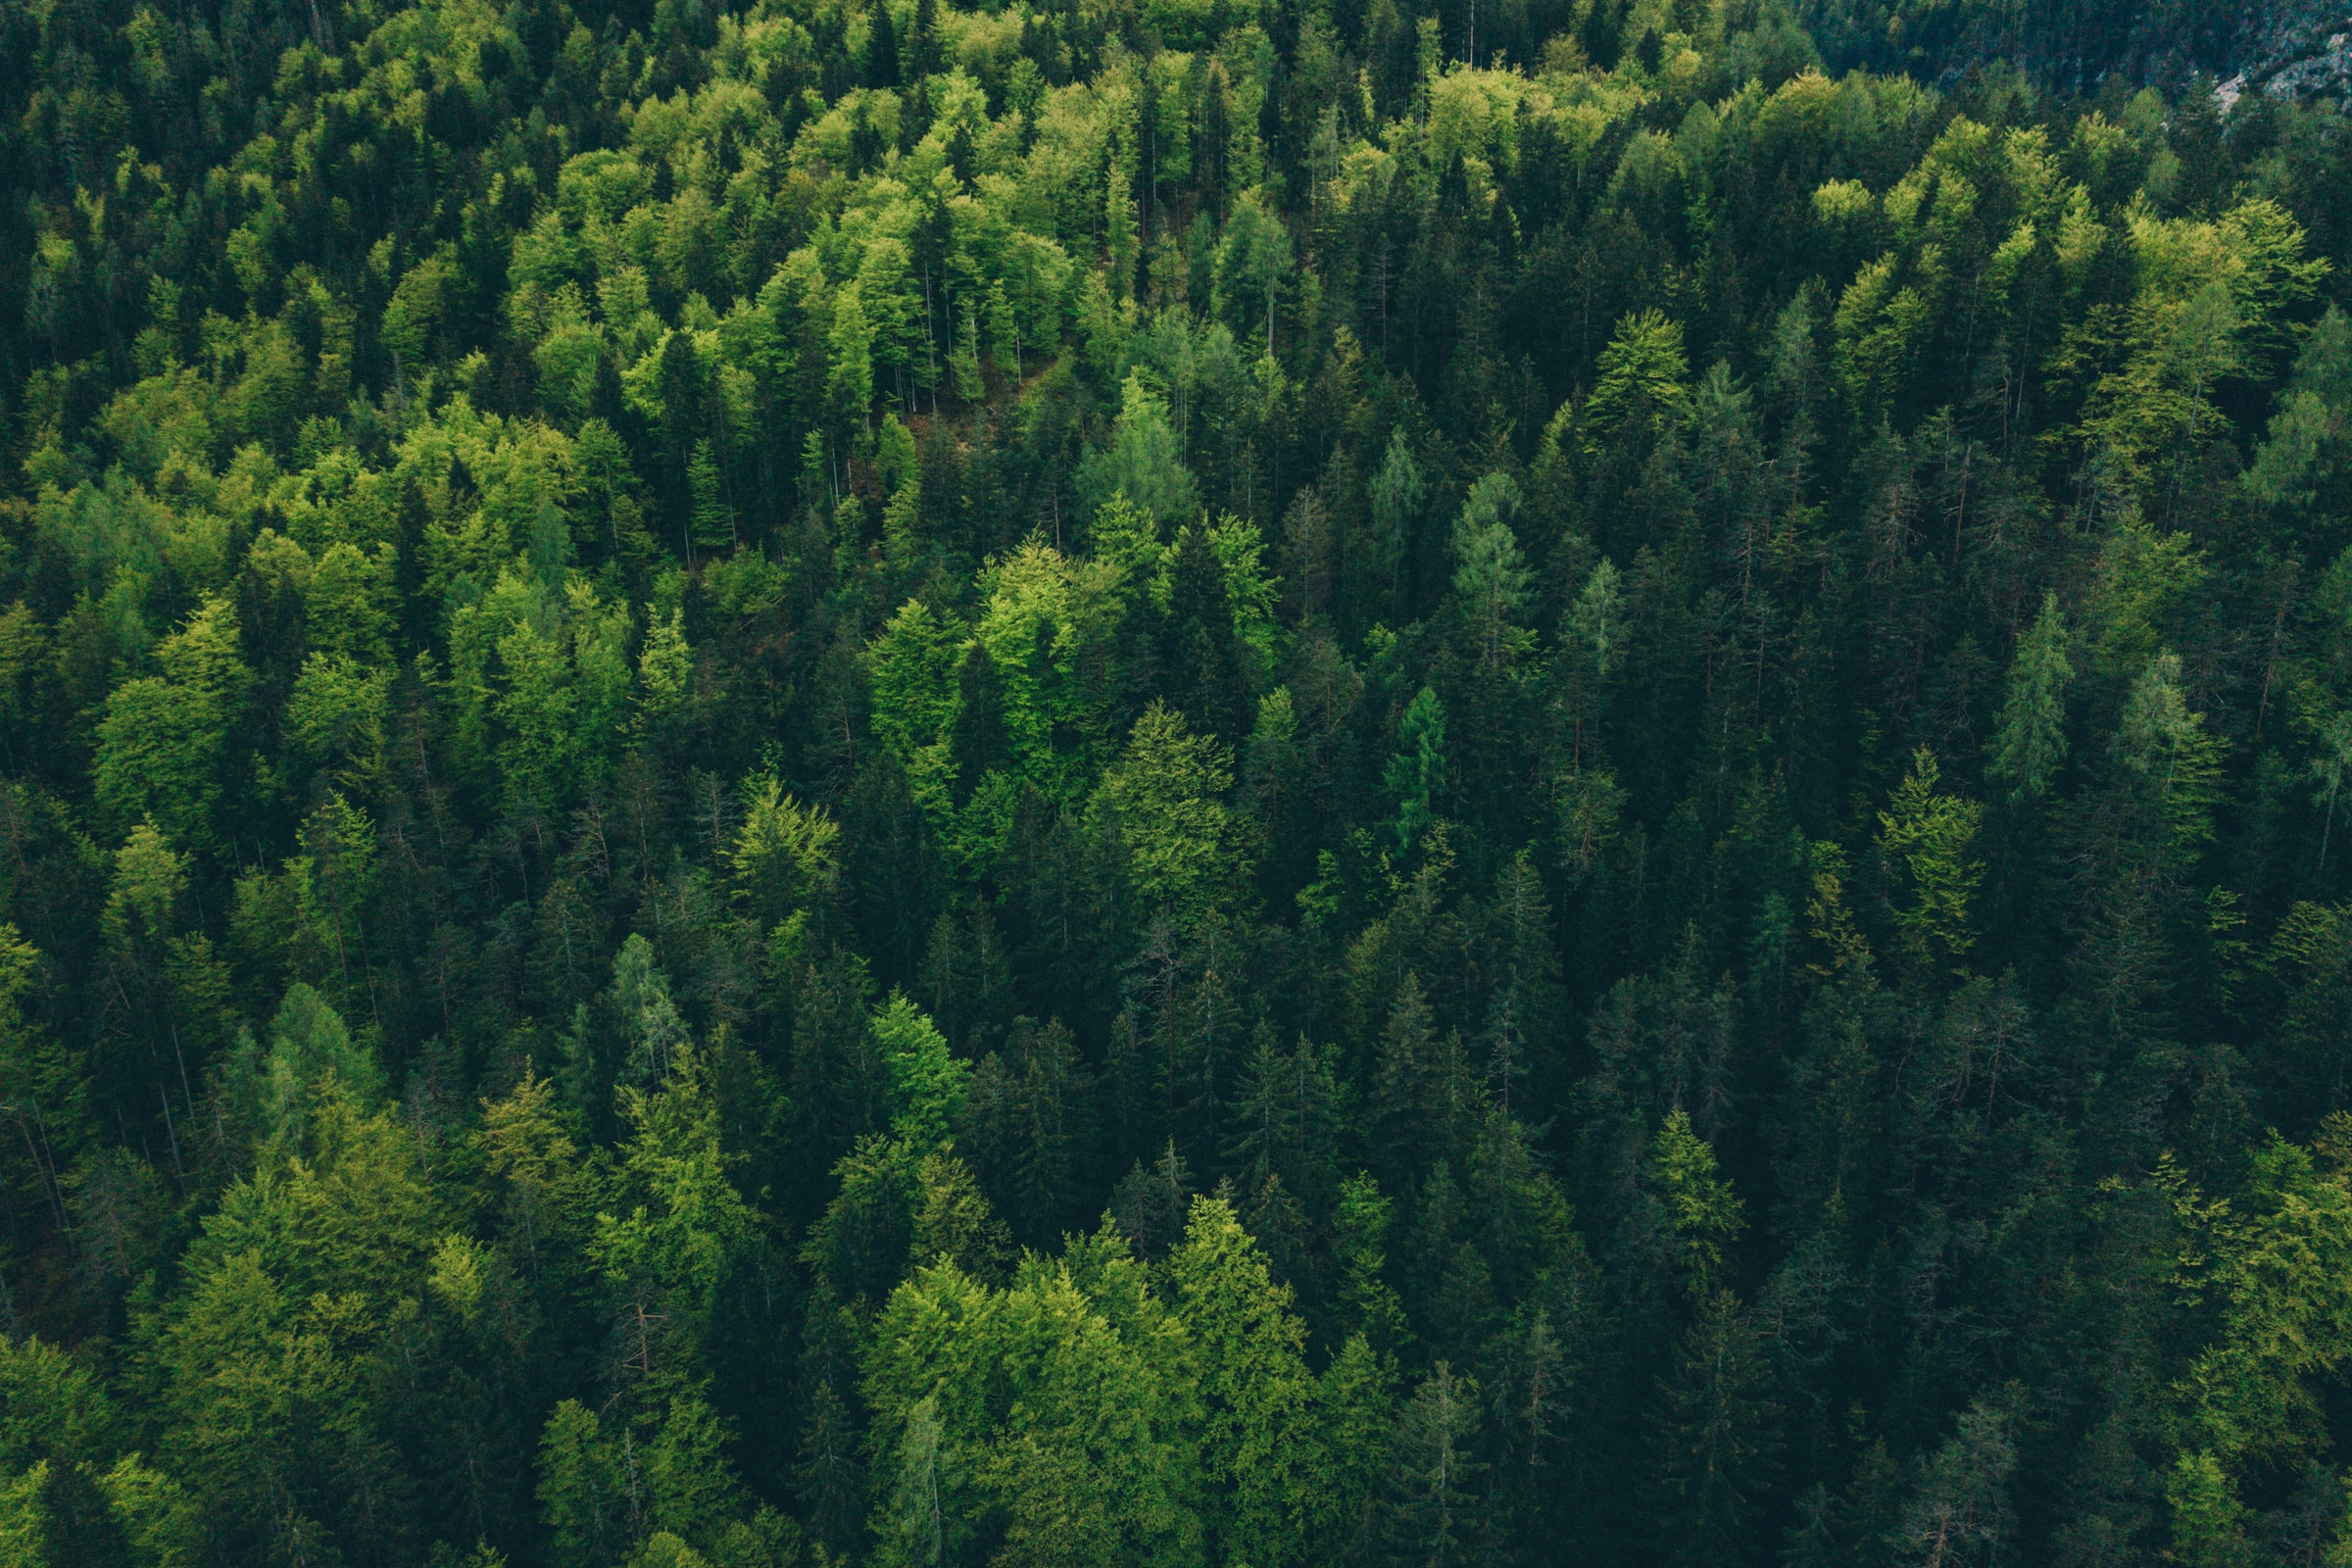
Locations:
(1181, 784)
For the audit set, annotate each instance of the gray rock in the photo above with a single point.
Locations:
(2295, 51)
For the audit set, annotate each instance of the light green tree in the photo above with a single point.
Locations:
(850, 366)
(1258, 1444)
(1254, 262)
(311, 1059)
(785, 854)
(911, 667)
(2028, 744)
(584, 1496)
(1416, 774)
(1926, 838)
(680, 1225)
(164, 739)
(1165, 796)
(1490, 574)
(1705, 1215)
(1142, 461)
(2170, 761)
(1643, 376)
(921, 1524)
(927, 1083)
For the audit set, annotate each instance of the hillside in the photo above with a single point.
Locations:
(1173, 784)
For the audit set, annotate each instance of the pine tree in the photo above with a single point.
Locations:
(1206, 669)
(1405, 1080)
(830, 1482)
(1490, 574)
(584, 1489)
(1960, 1513)
(713, 524)
(952, 1221)
(881, 46)
(919, 1528)
(839, 1082)
(1163, 795)
(1150, 1206)
(1256, 1389)
(924, 56)
(1717, 1437)
(2029, 736)
(1521, 1037)
(1282, 1120)
(1144, 462)
(1433, 1513)
(1398, 490)
(1927, 837)
(1416, 774)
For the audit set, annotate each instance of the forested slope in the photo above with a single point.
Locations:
(1193, 785)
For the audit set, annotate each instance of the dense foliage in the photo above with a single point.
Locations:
(1192, 784)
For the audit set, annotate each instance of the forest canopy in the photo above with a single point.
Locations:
(1188, 783)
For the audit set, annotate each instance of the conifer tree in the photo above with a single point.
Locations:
(1433, 1512)
(2029, 741)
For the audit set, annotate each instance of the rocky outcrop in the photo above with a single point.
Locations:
(2298, 51)
(2291, 49)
